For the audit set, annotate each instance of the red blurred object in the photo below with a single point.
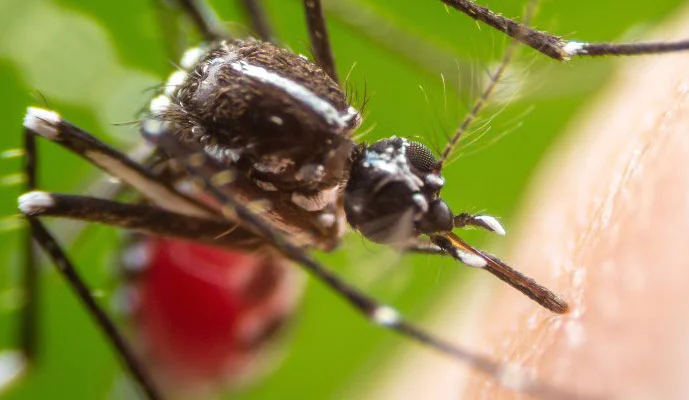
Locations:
(204, 317)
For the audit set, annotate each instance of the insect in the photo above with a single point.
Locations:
(374, 160)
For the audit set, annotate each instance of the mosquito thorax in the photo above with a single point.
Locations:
(393, 193)
(277, 116)
(276, 120)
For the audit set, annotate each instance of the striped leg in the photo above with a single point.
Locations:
(318, 34)
(143, 218)
(46, 241)
(554, 46)
(39, 122)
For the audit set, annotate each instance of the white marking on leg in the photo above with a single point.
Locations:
(385, 316)
(43, 122)
(573, 48)
(35, 202)
(492, 224)
(471, 260)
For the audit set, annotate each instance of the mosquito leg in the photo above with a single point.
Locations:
(65, 267)
(28, 327)
(15, 363)
(51, 126)
(28, 332)
(259, 19)
(318, 34)
(143, 218)
(204, 18)
(31, 291)
(195, 164)
(554, 46)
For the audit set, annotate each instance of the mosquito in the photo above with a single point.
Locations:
(254, 149)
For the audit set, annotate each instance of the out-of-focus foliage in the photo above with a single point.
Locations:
(94, 61)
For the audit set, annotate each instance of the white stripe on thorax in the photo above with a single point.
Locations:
(322, 107)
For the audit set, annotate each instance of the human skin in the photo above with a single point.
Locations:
(606, 224)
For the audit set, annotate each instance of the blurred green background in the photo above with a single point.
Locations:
(94, 61)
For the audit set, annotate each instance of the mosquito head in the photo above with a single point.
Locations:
(393, 193)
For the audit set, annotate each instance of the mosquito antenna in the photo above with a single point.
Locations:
(479, 103)
(488, 91)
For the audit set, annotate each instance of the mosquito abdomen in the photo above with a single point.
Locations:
(204, 317)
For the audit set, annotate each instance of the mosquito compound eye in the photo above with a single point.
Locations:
(421, 157)
(424, 164)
